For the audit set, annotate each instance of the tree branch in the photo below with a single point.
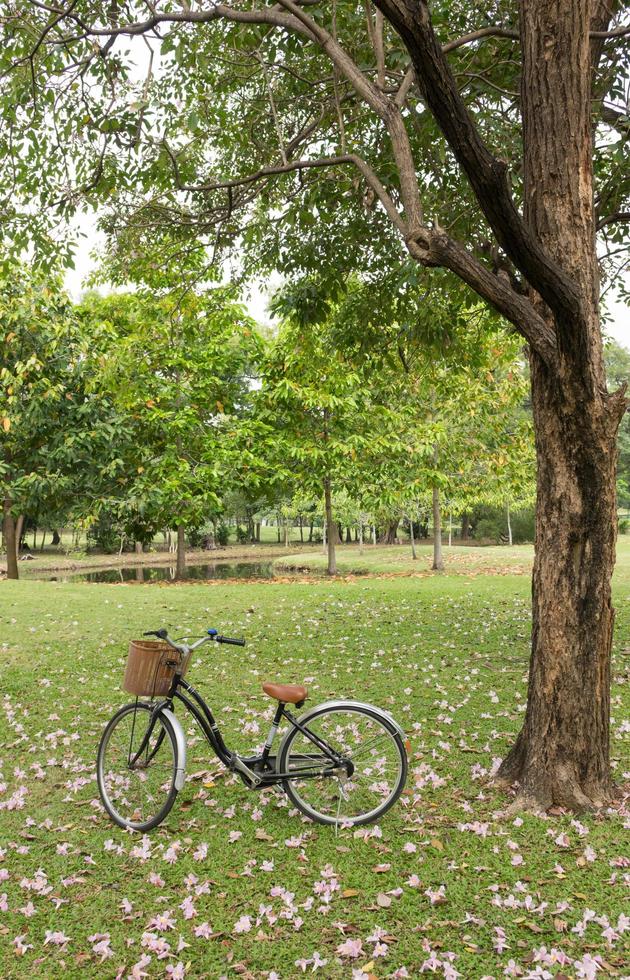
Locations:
(487, 175)
(298, 165)
(513, 35)
(618, 217)
(435, 247)
(477, 35)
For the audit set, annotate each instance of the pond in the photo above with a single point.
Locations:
(161, 573)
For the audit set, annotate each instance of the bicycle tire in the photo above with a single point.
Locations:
(166, 733)
(390, 735)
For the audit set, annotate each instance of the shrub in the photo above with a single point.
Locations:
(222, 534)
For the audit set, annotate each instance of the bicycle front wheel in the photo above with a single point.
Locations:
(364, 781)
(136, 767)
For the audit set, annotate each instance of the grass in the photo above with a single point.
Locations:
(443, 882)
(398, 560)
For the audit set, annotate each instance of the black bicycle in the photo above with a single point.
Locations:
(342, 763)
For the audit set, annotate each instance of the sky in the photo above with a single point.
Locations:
(618, 327)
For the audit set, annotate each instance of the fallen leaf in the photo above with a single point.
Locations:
(263, 835)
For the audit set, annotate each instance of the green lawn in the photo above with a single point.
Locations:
(238, 884)
(398, 560)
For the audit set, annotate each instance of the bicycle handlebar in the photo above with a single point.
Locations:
(162, 634)
(228, 639)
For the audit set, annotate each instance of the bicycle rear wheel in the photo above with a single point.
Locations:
(368, 777)
(136, 767)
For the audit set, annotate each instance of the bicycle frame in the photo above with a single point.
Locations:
(255, 771)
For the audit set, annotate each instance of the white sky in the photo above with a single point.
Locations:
(618, 327)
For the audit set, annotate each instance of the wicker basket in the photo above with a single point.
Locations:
(151, 666)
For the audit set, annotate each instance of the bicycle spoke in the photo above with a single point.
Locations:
(135, 794)
(365, 742)
(366, 746)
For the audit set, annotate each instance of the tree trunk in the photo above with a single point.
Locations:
(331, 528)
(181, 551)
(19, 528)
(310, 533)
(413, 543)
(43, 541)
(56, 539)
(561, 755)
(509, 523)
(301, 531)
(390, 534)
(286, 533)
(257, 532)
(348, 535)
(465, 526)
(138, 547)
(10, 541)
(360, 537)
(438, 561)
(450, 528)
(374, 535)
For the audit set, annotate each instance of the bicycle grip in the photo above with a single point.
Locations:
(232, 642)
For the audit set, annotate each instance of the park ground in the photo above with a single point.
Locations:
(237, 884)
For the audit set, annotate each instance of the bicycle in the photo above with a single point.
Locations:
(342, 763)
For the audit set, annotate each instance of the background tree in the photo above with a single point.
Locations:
(617, 370)
(180, 368)
(60, 441)
(323, 415)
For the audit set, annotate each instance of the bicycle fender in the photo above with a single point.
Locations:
(180, 739)
(303, 719)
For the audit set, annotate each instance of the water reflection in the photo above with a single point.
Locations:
(166, 573)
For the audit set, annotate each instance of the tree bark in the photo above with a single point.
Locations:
(10, 541)
(181, 551)
(331, 529)
(465, 526)
(561, 755)
(438, 561)
(19, 530)
(390, 534)
(138, 547)
(413, 543)
(56, 538)
(509, 522)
